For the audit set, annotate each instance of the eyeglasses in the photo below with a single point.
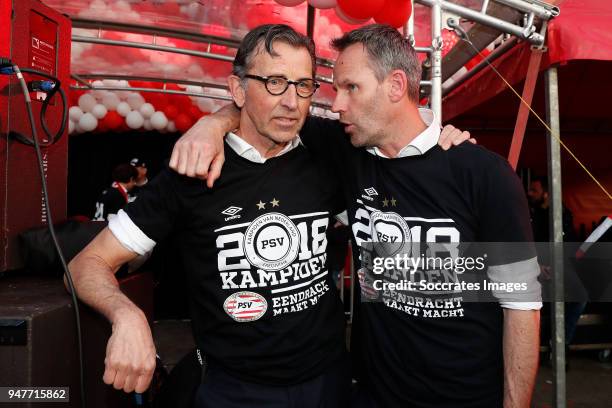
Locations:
(277, 85)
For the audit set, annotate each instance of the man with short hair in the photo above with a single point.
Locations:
(117, 196)
(417, 349)
(141, 167)
(141, 179)
(266, 316)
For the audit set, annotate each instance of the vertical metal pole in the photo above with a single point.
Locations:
(436, 60)
(410, 28)
(485, 4)
(310, 21)
(556, 233)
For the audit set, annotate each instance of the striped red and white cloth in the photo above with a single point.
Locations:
(594, 237)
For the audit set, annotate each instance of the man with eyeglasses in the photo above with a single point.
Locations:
(266, 316)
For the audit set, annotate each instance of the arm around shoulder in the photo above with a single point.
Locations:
(199, 152)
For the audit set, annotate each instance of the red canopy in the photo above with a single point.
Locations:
(582, 31)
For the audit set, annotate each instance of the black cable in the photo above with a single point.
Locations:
(41, 170)
(56, 89)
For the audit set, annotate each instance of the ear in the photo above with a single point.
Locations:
(237, 90)
(397, 85)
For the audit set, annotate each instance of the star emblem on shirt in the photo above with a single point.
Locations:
(385, 202)
(261, 205)
(393, 202)
(274, 202)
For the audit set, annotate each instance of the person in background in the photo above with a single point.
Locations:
(141, 179)
(116, 196)
(539, 206)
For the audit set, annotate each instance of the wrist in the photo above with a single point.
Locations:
(126, 313)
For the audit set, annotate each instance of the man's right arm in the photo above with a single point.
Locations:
(130, 353)
(199, 152)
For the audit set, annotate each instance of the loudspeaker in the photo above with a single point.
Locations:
(38, 341)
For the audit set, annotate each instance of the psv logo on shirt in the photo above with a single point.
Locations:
(245, 306)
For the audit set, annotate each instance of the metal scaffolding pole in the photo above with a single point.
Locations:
(526, 33)
(556, 232)
(436, 60)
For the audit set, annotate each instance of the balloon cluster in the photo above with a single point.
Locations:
(103, 111)
(393, 12)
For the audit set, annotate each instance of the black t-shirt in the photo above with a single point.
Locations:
(411, 351)
(109, 203)
(263, 303)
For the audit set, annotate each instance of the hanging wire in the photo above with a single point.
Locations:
(464, 36)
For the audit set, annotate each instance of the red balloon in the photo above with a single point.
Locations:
(217, 31)
(361, 9)
(252, 13)
(449, 39)
(183, 122)
(171, 111)
(395, 13)
(195, 112)
(112, 120)
(183, 103)
(102, 126)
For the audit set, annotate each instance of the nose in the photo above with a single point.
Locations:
(290, 98)
(339, 104)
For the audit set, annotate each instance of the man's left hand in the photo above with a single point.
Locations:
(451, 136)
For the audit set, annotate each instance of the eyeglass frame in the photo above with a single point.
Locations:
(265, 80)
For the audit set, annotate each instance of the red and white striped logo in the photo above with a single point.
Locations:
(245, 306)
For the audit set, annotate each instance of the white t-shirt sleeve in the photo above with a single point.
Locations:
(130, 236)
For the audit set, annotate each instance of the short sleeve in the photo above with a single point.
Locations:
(151, 216)
(506, 232)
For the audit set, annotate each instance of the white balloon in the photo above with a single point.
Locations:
(87, 102)
(192, 10)
(147, 125)
(98, 4)
(217, 91)
(111, 82)
(147, 110)
(322, 4)
(99, 111)
(122, 5)
(194, 89)
(71, 126)
(110, 100)
(123, 95)
(98, 93)
(171, 127)
(206, 104)
(122, 83)
(134, 120)
(123, 108)
(135, 100)
(88, 122)
(159, 120)
(75, 113)
(289, 3)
